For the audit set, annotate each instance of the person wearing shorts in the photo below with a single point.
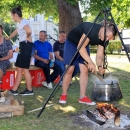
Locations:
(74, 39)
(25, 51)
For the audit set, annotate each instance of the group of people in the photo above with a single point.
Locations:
(64, 49)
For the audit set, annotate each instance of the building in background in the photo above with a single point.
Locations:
(38, 23)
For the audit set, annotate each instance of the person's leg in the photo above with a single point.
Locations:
(69, 52)
(46, 70)
(61, 64)
(83, 80)
(83, 85)
(76, 70)
(18, 78)
(66, 82)
(28, 79)
(56, 71)
(67, 79)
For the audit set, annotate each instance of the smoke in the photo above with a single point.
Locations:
(109, 79)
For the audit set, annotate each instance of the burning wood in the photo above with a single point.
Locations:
(108, 111)
(106, 116)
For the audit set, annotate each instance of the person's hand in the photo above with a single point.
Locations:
(7, 38)
(45, 61)
(101, 70)
(92, 67)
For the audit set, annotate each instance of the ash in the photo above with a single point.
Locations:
(109, 124)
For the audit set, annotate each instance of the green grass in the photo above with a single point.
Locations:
(62, 117)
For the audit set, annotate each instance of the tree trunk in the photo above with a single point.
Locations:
(69, 15)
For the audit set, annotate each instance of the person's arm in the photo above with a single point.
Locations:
(51, 56)
(84, 54)
(100, 58)
(14, 33)
(57, 55)
(10, 55)
(40, 58)
(28, 32)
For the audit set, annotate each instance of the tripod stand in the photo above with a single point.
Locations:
(106, 12)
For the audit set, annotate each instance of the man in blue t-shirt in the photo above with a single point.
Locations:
(45, 60)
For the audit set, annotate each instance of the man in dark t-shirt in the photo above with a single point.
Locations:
(58, 49)
(74, 39)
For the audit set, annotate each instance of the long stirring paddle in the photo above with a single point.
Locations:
(99, 77)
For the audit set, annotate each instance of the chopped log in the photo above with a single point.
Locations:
(16, 110)
(6, 114)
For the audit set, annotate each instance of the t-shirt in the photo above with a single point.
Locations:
(43, 49)
(21, 31)
(59, 47)
(76, 33)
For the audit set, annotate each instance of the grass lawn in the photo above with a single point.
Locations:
(62, 117)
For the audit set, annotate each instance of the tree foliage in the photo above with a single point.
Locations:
(120, 8)
(8, 28)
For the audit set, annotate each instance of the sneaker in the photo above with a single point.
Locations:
(14, 92)
(63, 99)
(44, 83)
(49, 85)
(27, 92)
(86, 100)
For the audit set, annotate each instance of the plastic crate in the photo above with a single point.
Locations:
(37, 77)
(57, 79)
(8, 80)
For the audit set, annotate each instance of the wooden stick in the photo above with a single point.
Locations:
(99, 77)
(38, 108)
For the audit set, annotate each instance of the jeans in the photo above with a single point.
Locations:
(46, 69)
(61, 64)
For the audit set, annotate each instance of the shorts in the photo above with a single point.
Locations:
(24, 56)
(69, 52)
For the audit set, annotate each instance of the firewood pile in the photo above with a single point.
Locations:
(10, 105)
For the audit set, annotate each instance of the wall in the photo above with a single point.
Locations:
(38, 23)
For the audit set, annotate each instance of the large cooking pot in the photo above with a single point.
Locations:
(110, 91)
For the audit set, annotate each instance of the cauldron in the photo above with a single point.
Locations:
(110, 91)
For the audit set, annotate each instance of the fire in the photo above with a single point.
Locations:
(106, 110)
